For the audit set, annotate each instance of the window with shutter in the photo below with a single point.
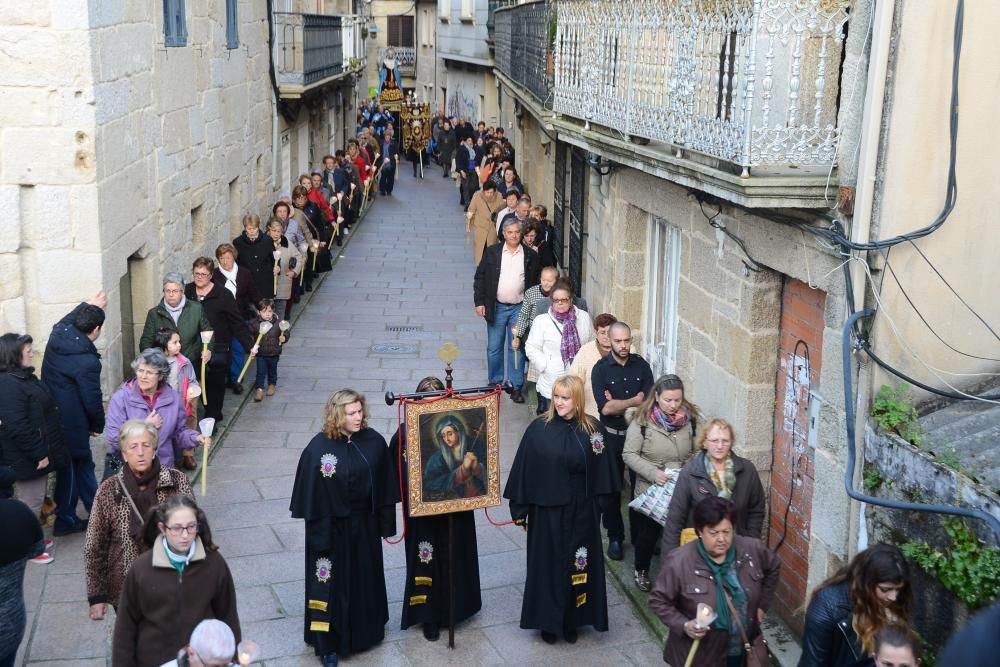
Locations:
(399, 31)
(174, 23)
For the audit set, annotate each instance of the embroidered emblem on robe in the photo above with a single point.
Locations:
(324, 570)
(328, 465)
(597, 443)
(579, 579)
(580, 559)
(425, 552)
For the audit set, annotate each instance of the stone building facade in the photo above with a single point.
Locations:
(124, 158)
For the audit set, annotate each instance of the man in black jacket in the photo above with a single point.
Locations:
(220, 309)
(71, 369)
(506, 270)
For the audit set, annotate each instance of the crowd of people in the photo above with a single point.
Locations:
(604, 427)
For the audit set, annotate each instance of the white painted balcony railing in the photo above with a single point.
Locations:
(751, 82)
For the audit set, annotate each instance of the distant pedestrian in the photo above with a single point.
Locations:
(561, 473)
(621, 382)
(254, 254)
(179, 581)
(114, 537)
(222, 312)
(589, 355)
(734, 576)
(847, 611)
(346, 490)
(505, 272)
(555, 338)
(480, 223)
(31, 432)
(390, 156)
(71, 369)
(447, 143)
(178, 312)
(22, 541)
(270, 349)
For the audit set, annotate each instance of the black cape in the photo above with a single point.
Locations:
(426, 596)
(347, 492)
(558, 477)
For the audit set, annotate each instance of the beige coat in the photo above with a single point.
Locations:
(288, 253)
(659, 449)
(481, 210)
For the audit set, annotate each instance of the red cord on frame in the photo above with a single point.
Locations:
(399, 470)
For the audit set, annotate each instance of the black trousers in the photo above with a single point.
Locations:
(646, 534)
(612, 513)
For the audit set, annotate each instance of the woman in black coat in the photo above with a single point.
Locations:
(254, 248)
(30, 428)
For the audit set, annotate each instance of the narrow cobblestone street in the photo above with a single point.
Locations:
(408, 265)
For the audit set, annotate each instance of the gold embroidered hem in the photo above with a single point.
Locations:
(422, 581)
(318, 605)
(579, 579)
(581, 599)
(316, 626)
(417, 599)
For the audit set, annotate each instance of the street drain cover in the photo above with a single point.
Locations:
(403, 328)
(394, 347)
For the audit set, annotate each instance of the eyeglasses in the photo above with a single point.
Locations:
(145, 372)
(202, 274)
(560, 300)
(190, 529)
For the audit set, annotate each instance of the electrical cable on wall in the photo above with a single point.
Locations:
(797, 456)
(749, 263)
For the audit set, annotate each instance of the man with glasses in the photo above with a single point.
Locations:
(226, 322)
(620, 382)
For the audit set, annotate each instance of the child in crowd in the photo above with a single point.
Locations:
(285, 266)
(183, 379)
(270, 348)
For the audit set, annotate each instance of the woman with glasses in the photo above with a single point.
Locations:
(716, 471)
(31, 430)
(122, 501)
(179, 581)
(555, 337)
(149, 398)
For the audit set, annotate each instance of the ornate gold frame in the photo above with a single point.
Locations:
(420, 507)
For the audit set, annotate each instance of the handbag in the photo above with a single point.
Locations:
(654, 501)
(757, 652)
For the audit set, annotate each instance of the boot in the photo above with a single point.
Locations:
(270, 390)
(258, 395)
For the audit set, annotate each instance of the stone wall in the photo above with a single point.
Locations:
(123, 159)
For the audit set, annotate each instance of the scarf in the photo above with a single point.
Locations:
(175, 313)
(143, 499)
(726, 581)
(725, 482)
(180, 561)
(569, 345)
(230, 278)
(669, 423)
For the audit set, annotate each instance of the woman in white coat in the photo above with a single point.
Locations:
(554, 339)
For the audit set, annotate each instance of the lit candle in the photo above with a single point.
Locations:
(206, 338)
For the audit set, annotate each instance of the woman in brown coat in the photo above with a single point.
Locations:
(716, 471)
(482, 221)
(179, 581)
(122, 500)
(748, 572)
(657, 444)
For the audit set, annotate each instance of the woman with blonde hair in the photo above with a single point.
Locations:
(561, 473)
(346, 490)
(716, 471)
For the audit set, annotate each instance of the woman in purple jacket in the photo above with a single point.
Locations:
(148, 397)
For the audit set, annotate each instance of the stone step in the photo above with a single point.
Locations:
(953, 412)
(946, 432)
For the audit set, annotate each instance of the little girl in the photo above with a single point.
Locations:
(183, 379)
(269, 348)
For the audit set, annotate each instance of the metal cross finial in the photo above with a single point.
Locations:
(448, 352)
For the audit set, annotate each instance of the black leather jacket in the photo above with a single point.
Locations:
(829, 639)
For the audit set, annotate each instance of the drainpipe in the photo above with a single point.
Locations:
(871, 130)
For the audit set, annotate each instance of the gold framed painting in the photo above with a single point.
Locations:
(453, 455)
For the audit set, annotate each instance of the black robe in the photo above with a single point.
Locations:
(558, 477)
(347, 492)
(426, 596)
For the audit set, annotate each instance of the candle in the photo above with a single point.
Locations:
(264, 328)
(703, 619)
(206, 426)
(303, 248)
(206, 338)
(277, 265)
(315, 253)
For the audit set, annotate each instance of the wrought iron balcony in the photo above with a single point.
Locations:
(524, 29)
(406, 57)
(310, 50)
(754, 83)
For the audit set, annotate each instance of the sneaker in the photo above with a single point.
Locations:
(642, 581)
(48, 543)
(44, 559)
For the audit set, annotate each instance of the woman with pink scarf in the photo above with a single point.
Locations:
(657, 444)
(554, 339)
